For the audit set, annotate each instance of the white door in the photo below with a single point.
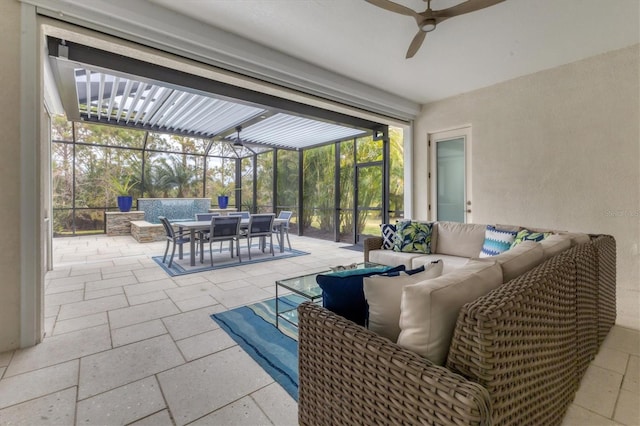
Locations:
(450, 175)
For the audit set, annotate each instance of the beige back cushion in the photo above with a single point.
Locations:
(555, 244)
(577, 237)
(502, 227)
(460, 239)
(543, 230)
(383, 295)
(429, 309)
(518, 260)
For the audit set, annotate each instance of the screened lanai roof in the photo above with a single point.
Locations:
(92, 93)
(110, 99)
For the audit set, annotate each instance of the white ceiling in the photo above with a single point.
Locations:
(368, 44)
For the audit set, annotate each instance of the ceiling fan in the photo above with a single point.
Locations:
(238, 142)
(238, 145)
(429, 19)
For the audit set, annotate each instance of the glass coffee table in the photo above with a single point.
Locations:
(306, 287)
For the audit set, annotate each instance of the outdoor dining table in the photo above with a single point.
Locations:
(201, 225)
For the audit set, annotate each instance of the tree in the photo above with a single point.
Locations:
(175, 174)
(264, 182)
(319, 189)
(396, 173)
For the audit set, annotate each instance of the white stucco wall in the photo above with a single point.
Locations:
(10, 175)
(558, 149)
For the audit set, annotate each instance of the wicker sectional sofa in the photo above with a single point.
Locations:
(456, 243)
(516, 356)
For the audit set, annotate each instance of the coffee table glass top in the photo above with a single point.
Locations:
(307, 286)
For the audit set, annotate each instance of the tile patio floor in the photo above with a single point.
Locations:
(126, 344)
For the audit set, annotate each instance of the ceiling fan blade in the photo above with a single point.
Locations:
(415, 44)
(394, 7)
(462, 8)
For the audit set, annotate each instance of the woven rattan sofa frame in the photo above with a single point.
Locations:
(517, 355)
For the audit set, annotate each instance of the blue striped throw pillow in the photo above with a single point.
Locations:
(496, 241)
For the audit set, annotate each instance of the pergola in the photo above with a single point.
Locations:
(226, 124)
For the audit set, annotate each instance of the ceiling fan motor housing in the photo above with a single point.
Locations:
(428, 25)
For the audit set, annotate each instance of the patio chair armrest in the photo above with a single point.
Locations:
(371, 243)
(186, 235)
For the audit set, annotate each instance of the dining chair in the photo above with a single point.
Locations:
(173, 237)
(285, 226)
(260, 225)
(242, 214)
(223, 228)
(205, 216)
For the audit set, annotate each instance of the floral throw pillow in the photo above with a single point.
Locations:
(413, 237)
(526, 235)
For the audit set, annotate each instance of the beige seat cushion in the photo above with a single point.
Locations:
(383, 295)
(555, 244)
(518, 260)
(393, 258)
(451, 263)
(460, 239)
(429, 309)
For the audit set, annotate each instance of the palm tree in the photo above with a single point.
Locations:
(174, 174)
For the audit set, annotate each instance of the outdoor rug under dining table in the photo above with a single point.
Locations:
(222, 259)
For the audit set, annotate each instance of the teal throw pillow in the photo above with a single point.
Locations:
(413, 237)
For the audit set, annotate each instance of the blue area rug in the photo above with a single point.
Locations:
(275, 350)
(222, 260)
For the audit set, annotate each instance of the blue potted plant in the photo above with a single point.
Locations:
(223, 198)
(125, 201)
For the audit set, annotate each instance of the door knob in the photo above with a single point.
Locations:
(468, 210)
(468, 202)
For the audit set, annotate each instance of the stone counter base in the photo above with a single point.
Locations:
(119, 223)
(146, 232)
